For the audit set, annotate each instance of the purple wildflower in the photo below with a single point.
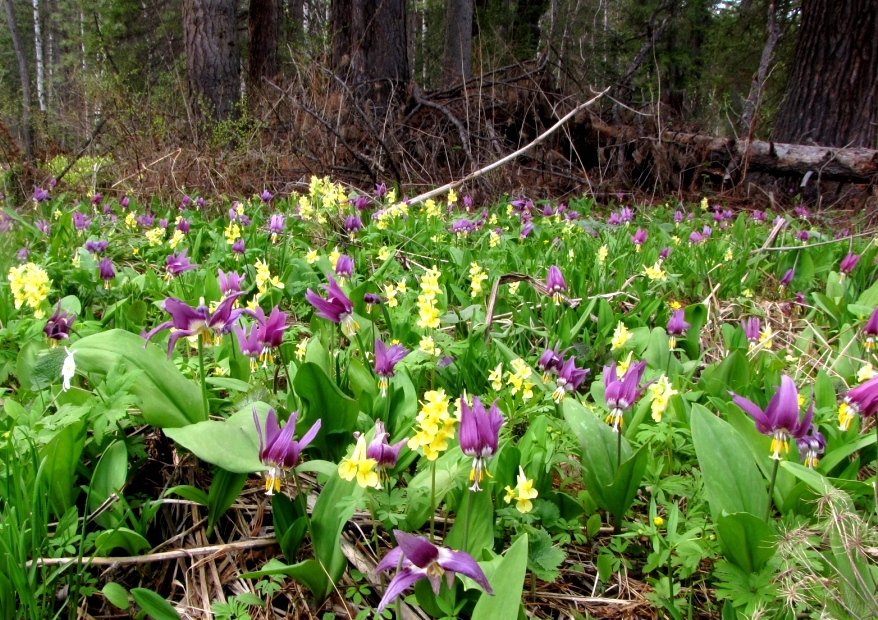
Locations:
(862, 400)
(353, 224)
(780, 420)
(677, 326)
(848, 263)
(277, 449)
(337, 307)
(344, 267)
(871, 330)
(787, 278)
(569, 379)
(479, 436)
(386, 359)
(106, 271)
(188, 321)
(811, 447)
(621, 394)
(555, 284)
(58, 326)
(40, 194)
(175, 264)
(266, 196)
(382, 452)
(229, 282)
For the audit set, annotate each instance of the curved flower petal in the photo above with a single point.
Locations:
(402, 581)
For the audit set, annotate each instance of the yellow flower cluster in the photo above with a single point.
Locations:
(334, 256)
(435, 425)
(428, 311)
(155, 236)
(301, 349)
(476, 276)
(30, 285)
(232, 232)
(655, 273)
(175, 240)
(264, 279)
(865, 373)
(496, 377)
(661, 390)
(603, 252)
(432, 210)
(623, 366)
(621, 336)
(360, 467)
(519, 379)
(392, 291)
(429, 347)
(399, 209)
(130, 220)
(452, 197)
(493, 238)
(384, 253)
(312, 256)
(523, 493)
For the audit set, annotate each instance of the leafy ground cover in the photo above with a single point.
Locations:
(456, 411)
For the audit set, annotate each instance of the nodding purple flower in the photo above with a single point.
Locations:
(547, 211)
(382, 452)
(803, 235)
(706, 231)
(96, 199)
(22, 254)
(571, 216)
(146, 220)
(188, 321)
(277, 449)
(695, 237)
(780, 420)
(271, 332)
(665, 252)
(811, 447)
(229, 282)
(862, 400)
(844, 232)
(106, 271)
(677, 326)
(871, 330)
(184, 226)
(353, 224)
(569, 379)
(344, 267)
(81, 221)
(550, 362)
(421, 559)
(249, 344)
(638, 238)
(43, 226)
(386, 359)
(752, 328)
(787, 278)
(199, 202)
(163, 223)
(445, 362)
(555, 284)
(380, 190)
(479, 436)
(678, 217)
(185, 202)
(370, 299)
(718, 216)
(521, 204)
(526, 230)
(175, 264)
(626, 214)
(266, 195)
(276, 225)
(58, 326)
(468, 202)
(802, 212)
(759, 216)
(238, 247)
(615, 219)
(125, 202)
(40, 194)
(361, 202)
(799, 299)
(848, 263)
(337, 307)
(462, 226)
(621, 394)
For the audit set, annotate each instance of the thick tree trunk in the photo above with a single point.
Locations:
(342, 31)
(457, 55)
(27, 130)
(832, 93)
(263, 22)
(38, 55)
(212, 56)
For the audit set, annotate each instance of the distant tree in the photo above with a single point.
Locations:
(213, 56)
(457, 55)
(27, 129)
(832, 92)
(263, 28)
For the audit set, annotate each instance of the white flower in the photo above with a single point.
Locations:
(68, 369)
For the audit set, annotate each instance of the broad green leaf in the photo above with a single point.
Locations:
(322, 400)
(116, 594)
(731, 478)
(621, 493)
(476, 512)
(227, 383)
(155, 606)
(109, 477)
(47, 368)
(813, 479)
(309, 573)
(334, 507)
(224, 490)
(120, 538)
(219, 443)
(187, 491)
(60, 457)
(167, 398)
(747, 541)
(507, 582)
(834, 457)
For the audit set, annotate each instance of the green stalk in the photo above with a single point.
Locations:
(201, 372)
(374, 523)
(433, 502)
(875, 484)
(469, 501)
(670, 575)
(771, 488)
(619, 448)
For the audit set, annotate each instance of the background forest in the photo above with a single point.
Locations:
(423, 92)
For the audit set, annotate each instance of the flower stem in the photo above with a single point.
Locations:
(875, 484)
(201, 372)
(433, 502)
(771, 489)
(374, 523)
(670, 575)
(469, 501)
(618, 448)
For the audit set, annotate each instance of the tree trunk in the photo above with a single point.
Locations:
(832, 93)
(263, 20)
(27, 130)
(457, 55)
(212, 56)
(748, 115)
(342, 33)
(38, 55)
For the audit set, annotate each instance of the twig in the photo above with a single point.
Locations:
(511, 156)
(162, 556)
(461, 130)
(868, 233)
(85, 146)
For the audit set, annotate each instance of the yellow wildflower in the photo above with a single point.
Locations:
(661, 390)
(748, 293)
(623, 366)
(655, 273)
(658, 521)
(704, 204)
(384, 253)
(496, 377)
(312, 256)
(621, 336)
(30, 284)
(435, 425)
(429, 347)
(433, 210)
(766, 337)
(477, 276)
(232, 233)
(513, 287)
(360, 467)
(603, 252)
(334, 256)
(155, 236)
(301, 349)
(866, 372)
(452, 196)
(676, 305)
(846, 415)
(130, 220)
(523, 493)
(729, 255)
(175, 240)
(493, 238)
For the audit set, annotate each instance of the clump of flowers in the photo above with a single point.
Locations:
(661, 391)
(621, 336)
(277, 449)
(30, 284)
(435, 425)
(360, 466)
(519, 379)
(428, 311)
(655, 273)
(264, 279)
(476, 275)
(523, 493)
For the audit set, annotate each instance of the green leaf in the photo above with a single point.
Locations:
(167, 398)
(227, 383)
(109, 477)
(224, 490)
(60, 456)
(322, 400)
(747, 541)
(813, 479)
(544, 558)
(155, 606)
(507, 583)
(47, 368)
(120, 538)
(731, 478)
(480, 521)
(116, 594)
(309, 573)
(187, 491)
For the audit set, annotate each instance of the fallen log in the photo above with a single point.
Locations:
(853, 165)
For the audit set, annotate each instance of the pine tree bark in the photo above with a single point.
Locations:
(457, 55)
(212, 56)
(832, 92)
(263, 28)
(27, 129)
